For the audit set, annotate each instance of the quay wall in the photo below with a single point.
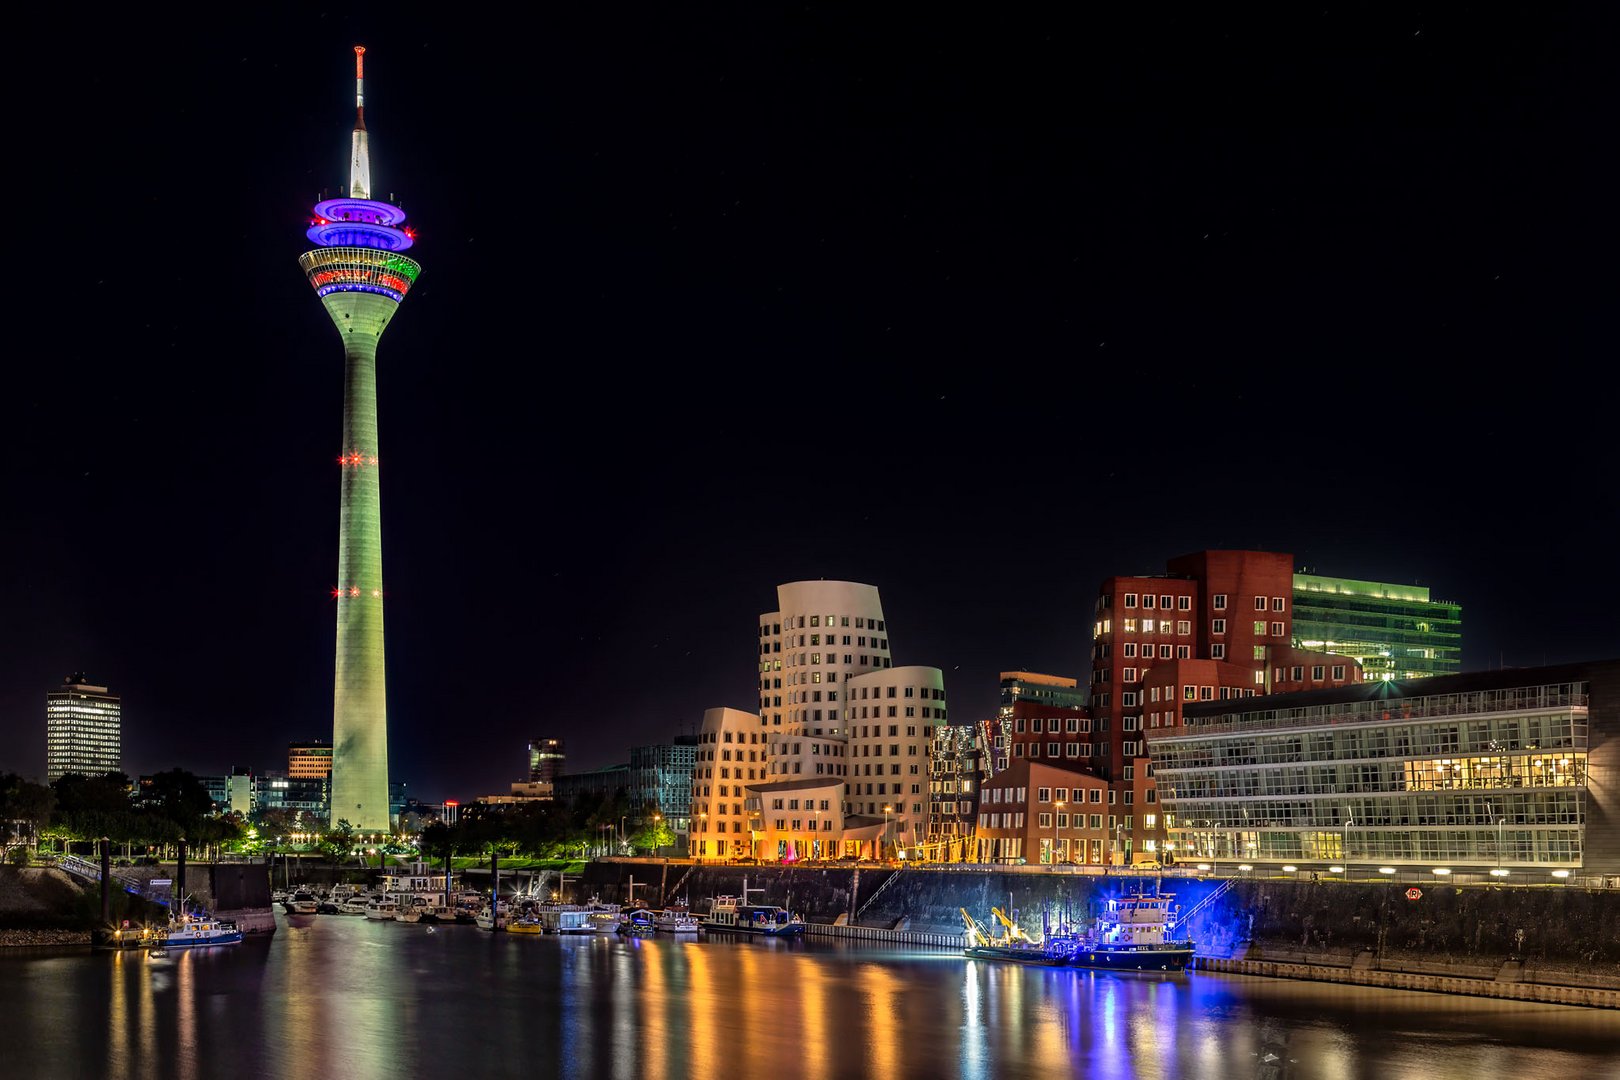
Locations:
(1561, 930)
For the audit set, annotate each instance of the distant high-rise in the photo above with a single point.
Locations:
(309, 760)
(361, 277)
(545, 760)
(83, 730)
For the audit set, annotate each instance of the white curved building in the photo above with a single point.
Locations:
(890, 716)
(822, 634)
(731, 753)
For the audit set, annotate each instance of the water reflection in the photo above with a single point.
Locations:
(358, 999)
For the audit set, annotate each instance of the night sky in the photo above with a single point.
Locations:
(978, 313)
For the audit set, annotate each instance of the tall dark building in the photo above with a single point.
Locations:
(545, 760)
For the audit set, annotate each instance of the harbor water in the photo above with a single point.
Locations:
(345, 997)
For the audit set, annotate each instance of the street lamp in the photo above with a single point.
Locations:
(1344, 844)
(886, 809)
(1056, 809)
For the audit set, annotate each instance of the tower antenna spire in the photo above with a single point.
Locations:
(360, 162)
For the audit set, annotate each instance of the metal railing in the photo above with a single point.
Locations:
(890, 937)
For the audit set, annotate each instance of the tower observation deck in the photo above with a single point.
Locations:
(361, 277)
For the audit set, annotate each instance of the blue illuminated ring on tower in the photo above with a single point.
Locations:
(359, 269)
(359, 234)
(369, 211)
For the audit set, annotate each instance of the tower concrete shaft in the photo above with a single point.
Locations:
(359, 696)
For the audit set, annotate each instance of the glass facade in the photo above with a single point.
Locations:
(1483, 779)
(83, 730)
(1395, 631)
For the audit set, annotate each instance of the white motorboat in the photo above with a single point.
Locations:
(675, 921)
(302, 902)
(383, 909)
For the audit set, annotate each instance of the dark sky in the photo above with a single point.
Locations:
(977, 312)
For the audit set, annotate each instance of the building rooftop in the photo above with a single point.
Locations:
(1465, 683)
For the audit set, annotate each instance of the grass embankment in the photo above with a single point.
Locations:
(474, 862)
(41, 905)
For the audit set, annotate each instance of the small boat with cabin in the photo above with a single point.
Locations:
(191, 932)
(382, 909)
(637, 923)
(675, 921)
(730, 915)
(565, 919)
(302, 902)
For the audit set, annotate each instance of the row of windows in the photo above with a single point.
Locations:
(1037, 724)
(1181, 603)
(1151, 626)
(1433, 738)
(861, 623)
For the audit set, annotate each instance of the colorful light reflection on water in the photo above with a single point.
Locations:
(332, 997)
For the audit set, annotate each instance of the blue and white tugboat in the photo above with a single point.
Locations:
(1135, 933)
(191, 932)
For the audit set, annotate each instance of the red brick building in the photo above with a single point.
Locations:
(1216, 625)
(1032, 810)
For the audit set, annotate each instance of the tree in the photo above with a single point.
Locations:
(653, 835)
(179, 796)
(24, 806)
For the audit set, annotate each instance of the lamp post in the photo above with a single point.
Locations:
(886, 808)
(1344, 843)
(1057, 808)
(1490, 809)
(658, 825)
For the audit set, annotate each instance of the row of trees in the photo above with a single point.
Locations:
(175, 804)
(548, 830)
(74, 808)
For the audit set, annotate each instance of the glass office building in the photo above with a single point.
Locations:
(84, 727)
(1395, 631)
(1478, 773)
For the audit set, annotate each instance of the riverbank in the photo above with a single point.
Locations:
(1446, 939)
(42, 938)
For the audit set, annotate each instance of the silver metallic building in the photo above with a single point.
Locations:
(1513, 772)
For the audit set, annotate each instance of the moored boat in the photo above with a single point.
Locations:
(302, 902)
(1013, 944)
(565, 919)
(1134, 933)
(382, 909)
(192, 932)
(524, 924)
(638, 923)
(675, 921)
(730, 915)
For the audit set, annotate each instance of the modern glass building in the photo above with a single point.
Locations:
(1508, 772)
(1396, 631)
(83, 730)
(661, 782)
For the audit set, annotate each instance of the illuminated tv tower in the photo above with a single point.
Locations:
(361, 277)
